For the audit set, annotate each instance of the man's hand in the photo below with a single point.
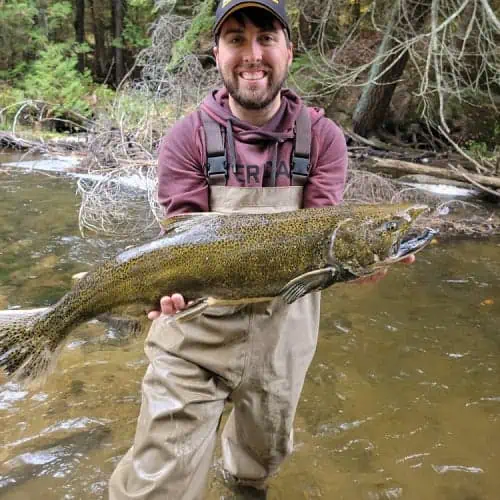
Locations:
(170, 304)
(380, 274)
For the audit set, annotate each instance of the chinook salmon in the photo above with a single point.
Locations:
(220, 259)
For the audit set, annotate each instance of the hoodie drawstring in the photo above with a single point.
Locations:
(274, 165)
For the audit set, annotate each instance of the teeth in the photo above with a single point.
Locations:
(254, 75)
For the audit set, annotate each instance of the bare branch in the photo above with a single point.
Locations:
(472, 181)
(490, 13)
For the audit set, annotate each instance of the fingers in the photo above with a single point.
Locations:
(178, 302)
(408, 260)
(152, 315)
(170, 304)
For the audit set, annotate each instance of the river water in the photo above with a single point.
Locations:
(402, 399)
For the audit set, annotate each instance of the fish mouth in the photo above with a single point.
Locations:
(413, 243)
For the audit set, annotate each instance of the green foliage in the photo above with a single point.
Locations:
(303, 66)
(104, 96)
(13, 74)
(60, 19)
(140, 14)
(128, 108)
(477, 149)
(20, 39)
(200, 29)
(9, 97)
(482, 150)
(53, 78)
(60, 14)
(82, 48)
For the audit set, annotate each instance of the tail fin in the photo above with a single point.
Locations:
(26, 356)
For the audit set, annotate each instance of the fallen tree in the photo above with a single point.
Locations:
(397, 168)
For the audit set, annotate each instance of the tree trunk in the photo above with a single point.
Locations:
(80, 32)
(355, 11)
(42, 21)
(397, 168)
(118, 14)
(387, 70)
(99, 43)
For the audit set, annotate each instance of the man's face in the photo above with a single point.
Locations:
(253, 62)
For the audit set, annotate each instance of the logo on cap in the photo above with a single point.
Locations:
(226, 2)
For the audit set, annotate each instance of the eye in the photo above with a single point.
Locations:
(391, 226)
(233, 39)
(267, 38)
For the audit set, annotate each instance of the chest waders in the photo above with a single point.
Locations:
(255, 356)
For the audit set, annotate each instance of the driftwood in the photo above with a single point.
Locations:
(376, 143)
(430, 179)
(397, 168)
(55, 145)
(361, 147)
(8, 140)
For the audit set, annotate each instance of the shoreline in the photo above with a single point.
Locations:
(474, 218)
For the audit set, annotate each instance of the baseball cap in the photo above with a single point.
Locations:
(228, 7)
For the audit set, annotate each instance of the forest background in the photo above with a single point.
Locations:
(413, 78)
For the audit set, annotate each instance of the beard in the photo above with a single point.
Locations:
(253, 99)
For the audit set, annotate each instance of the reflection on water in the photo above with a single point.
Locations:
(402, 400)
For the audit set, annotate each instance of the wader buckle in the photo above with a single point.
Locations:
(217, 169)
(300, 170)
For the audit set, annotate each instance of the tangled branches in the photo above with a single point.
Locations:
(121, 165)
(125, 138)
(454, 55)
(368, 187)
(114, 203)
(187, 83)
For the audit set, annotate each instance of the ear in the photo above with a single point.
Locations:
(215, 51)
(290, 54)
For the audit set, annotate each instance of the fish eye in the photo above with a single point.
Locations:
(391, 226)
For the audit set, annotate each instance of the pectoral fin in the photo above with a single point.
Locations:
(306, 283)
(193, 310)
(198, 306)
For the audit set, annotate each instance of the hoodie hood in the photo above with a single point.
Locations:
(278, 129)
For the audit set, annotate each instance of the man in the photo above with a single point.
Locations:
(252, 146)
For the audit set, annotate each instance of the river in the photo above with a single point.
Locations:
(402, 399)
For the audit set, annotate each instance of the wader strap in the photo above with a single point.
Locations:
(216, 166)
(302, 151)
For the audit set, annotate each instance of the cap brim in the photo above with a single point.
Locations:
(244, 5)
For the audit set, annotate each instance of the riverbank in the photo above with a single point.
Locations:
(44, 143)
(461, 210)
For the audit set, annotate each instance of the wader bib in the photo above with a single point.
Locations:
(256, 356)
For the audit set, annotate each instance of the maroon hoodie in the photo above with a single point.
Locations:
(182, 176)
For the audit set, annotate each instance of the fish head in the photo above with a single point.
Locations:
(376, 237)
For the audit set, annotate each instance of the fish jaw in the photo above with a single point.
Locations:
(414, 243)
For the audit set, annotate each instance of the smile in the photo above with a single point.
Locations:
(252, 75)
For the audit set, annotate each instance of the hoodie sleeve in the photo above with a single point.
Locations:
(182, 185)
(328, 165)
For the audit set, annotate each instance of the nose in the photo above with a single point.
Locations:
(253, 52)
